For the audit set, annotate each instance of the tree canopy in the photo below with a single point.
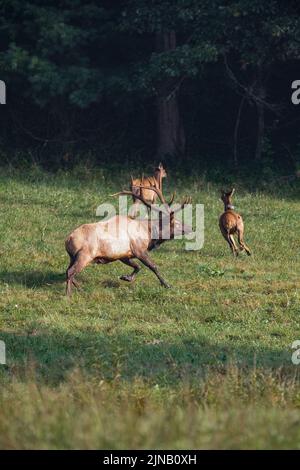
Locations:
(183, 79)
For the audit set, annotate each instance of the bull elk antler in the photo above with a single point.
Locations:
(187, 199)
(159, 193)
(126, 192)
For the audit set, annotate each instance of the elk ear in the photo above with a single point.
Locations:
(232, 192)
(222, 192)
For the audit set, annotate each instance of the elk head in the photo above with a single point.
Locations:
(169, 227)
(227, 199)
(160, 172)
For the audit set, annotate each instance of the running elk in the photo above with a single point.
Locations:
(232, 223)
(142, 187)
(122, 238)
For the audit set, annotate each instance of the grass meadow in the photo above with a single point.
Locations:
(206, 364)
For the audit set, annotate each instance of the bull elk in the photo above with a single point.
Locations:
(123, 238)
(231, 223)
(140, 187)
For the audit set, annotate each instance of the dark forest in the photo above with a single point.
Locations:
(200, 85)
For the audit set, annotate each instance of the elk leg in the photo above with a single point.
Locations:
(75, 283)
(72, 261)
(234, 247)
(230, 240)
(136, 269)
(144, 258)
(76, 265)
(242, 243)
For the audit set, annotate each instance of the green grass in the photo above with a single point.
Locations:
(206, 364)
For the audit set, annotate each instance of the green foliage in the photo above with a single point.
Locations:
(56, 48)
(50, 52)
(87, 74)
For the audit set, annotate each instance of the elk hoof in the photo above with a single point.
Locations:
(127, 278)
(167, 286)
(76, 284)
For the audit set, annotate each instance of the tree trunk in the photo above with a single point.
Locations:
(170, 131)
(260, 131)
(261, 93)
(236, 132)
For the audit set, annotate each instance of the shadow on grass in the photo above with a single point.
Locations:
(36, 279)
(31, 278)
(111, 283)
(55, 353)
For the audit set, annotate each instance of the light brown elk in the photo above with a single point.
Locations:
(139, 187)
(123, 238)
(231, 223)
